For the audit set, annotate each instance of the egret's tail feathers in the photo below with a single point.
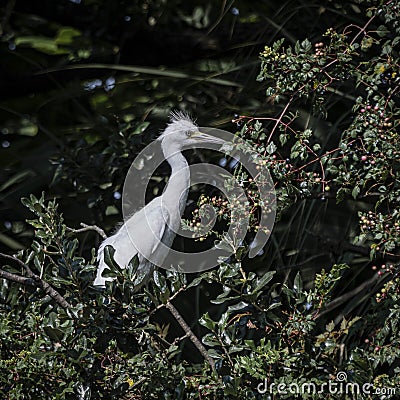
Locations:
(100, 280)
(124, 252)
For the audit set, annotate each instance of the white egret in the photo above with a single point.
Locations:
(158, 220)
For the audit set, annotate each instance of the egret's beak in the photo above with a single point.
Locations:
(202, 137)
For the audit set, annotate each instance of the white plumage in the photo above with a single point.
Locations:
(159, 219)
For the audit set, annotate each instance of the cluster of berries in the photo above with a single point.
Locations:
(393, 284)
(319, 49)
(370, 221)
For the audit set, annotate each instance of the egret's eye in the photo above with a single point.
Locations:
(189, 133)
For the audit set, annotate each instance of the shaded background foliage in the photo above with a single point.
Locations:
(84, 86)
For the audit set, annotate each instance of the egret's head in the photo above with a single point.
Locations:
(182, 132)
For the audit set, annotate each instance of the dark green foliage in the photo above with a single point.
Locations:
(322, 108)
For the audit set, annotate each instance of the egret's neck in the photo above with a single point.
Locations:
(176, 192)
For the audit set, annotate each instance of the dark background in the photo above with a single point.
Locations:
(86, 85)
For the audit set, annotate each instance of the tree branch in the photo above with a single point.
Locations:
(33, 280)
(190, 334)
(89, 228)
(16, 278)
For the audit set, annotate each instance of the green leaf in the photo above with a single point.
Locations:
(195, 282)
(109, 252)
(298, 283)
(107, 273)
(316, 147)
(237, 307)
(41, 43)
(271, 148)
(235, 349)
(382, 31)
(28, 128)
(355, 192)
(214, 354)
(18, 178)
(306, 45)
(210, 340)
(71, 247)
(66, 35)
(263, 281)
(160, 281)
(221, 300)
(141, 128)
(206, 321)
(54, 334)
(330, 326)
(283, 138)
(111, 210)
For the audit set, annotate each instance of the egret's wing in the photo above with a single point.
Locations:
(148, 227)
(140, 235)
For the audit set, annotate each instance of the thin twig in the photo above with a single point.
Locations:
(89, 228)
(190, 334)
(38, 282)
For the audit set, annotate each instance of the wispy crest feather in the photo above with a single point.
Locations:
(178, 121)
(178, 115)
